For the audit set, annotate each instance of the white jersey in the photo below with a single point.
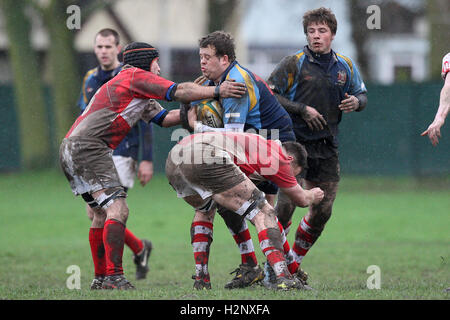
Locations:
(445, 65)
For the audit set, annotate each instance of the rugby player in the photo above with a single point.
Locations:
(125, 156)
(316, 85)
(212, 168)
(434, 129)
(259, 112)
(86, 150)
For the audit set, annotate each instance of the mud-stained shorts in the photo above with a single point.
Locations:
(323, 161)
(88, 165)
(213, 175)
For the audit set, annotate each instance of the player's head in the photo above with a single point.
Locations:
(107, 48)
(217, 51)
(319, 26)
(142, 55)
(299, 155)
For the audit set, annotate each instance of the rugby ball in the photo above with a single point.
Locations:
(210, 113)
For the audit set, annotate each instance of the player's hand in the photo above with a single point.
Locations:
(318, 195)
(434, 131)
(232, 89)
(192, 116)
(200, 80)
(314, 119)
(349, 104)
(145, 172)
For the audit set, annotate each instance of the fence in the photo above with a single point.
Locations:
(384, 139)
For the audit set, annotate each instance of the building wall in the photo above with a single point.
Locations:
(170, 23)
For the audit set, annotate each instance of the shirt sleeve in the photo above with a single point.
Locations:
(146, 85)
(235, 110)
(146, 132)
(81, 102)
(83, 99)
(154, 112)
(281, 80)
(445, 65)
(357, 85)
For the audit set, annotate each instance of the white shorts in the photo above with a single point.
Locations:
(127, 169)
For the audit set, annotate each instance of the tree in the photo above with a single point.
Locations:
(62, 61)
(438, 12)
(29, 94)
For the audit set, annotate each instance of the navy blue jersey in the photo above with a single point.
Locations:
(258, 109)
(140, 134)
(302, 78)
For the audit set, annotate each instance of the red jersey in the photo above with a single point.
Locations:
(120, 103)
(258, 158)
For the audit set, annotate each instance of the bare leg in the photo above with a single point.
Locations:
(319, 214)
(245, 199)
(312, 225)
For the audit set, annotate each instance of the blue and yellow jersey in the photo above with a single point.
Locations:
(302, 78)
(258, 108)
(139, 135)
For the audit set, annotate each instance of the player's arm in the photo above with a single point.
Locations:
(356, 97)
(353, 102)
(146, 85)
(312, 117)
(303, 198)
(189, 91)
(145, 168)
(283, 84)
(434, 129)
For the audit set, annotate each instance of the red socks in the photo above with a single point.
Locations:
(98, 251)
(114, 231)
(201, 238)
(244, 241)
(288, 254)
(113, 240)
(274, 256)
(136, 245)
(305, 237)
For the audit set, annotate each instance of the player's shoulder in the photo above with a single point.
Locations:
(90, 73)
(345, 60)
(292, 62)
(295, 58)
(238, 73)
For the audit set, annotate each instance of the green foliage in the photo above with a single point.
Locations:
(397, 225)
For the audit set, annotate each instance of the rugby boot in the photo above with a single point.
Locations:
(202, 282)
(141, 260)
(302, 276)
(283, 283)
(96, 284)
(270, 277)
(245, 276)
(117, 282)
(270, 280)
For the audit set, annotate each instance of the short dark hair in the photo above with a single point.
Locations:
(298, 151)
(321, 15)
(222, 41)
(106, 32)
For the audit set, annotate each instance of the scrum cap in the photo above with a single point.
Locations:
(140, 55)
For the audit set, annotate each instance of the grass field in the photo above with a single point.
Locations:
(400, 225)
